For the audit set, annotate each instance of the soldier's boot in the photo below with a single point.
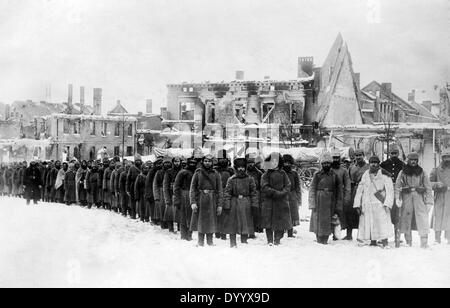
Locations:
(385, 243)
(291, 233)
(218, 235)
(437, 236)
(223, 237)
(209, 239)
(373, 243)
(189, 236)
(408, 238)
(171, 227)
(201, 240)
(397, 237)
(424, 241)
(252, 236)
(244, 238)
(233, 242)
(269, 235)
(349, 236)
(278, 237)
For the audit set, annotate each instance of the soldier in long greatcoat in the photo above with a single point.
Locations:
(295, 194)
(240, 196)
(158, 191)
(351, 217)
(275, 189)
(106, 186)
(440, 181)
(153, 211)
(344, 177)
(325, 200)
(374, 199)
(256, 211)
(139, 191)
(226, 172)
(181, 200)
(394, 165)
(415, 198)
(170, 213)
(70, 185)
(205, 195)
(33, 183)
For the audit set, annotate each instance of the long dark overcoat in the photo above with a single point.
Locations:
(206, 191)
(276, 212)
(181, 200)
(32, 180)
(325, 200)
(240, 195)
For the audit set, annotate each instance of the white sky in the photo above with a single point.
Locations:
(133, 48)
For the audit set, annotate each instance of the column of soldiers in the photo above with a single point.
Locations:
(221, 200)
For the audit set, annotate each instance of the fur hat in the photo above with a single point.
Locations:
(394, 148)
(374, 159)
(326, 158)
(240, 162)
(287, 158)
(413, 155)
(335, 153)
(359, 152)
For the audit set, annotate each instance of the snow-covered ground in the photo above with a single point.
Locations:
(52, 245)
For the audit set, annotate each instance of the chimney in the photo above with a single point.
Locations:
(149, 106)
(412, 96)
(239, 75)
(69, 99)
(358, 80)
(7, 111)
(82, 96)
(386, 89)
(97, 101)
(164, 113)
(305, 67)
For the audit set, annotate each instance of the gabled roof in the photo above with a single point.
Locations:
(119, 109)
(408, 106)
(338, 97)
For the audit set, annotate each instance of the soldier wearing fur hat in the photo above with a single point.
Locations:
(344, 177)
(170, 213)
(123, 195)
(139, 191)
(373, 201)
(275, 189)
(394, 165)
(351, 217)
(256, 175)
(132, 175)
(295, 194)
(440, 181)
(91, 185)
(205, 195)
(181, 200)
(240, 196)
(80, 181)
(69, 185)
(106, 185)
(33, 183)
(158, 191)
(414, 196)
(154, 213)
(325, 199)
(226, 172)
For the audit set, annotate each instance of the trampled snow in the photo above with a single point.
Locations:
(53, 245)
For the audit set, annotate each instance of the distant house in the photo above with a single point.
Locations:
(118, 110)
(381, 104)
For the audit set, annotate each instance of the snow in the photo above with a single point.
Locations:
(52, 245)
